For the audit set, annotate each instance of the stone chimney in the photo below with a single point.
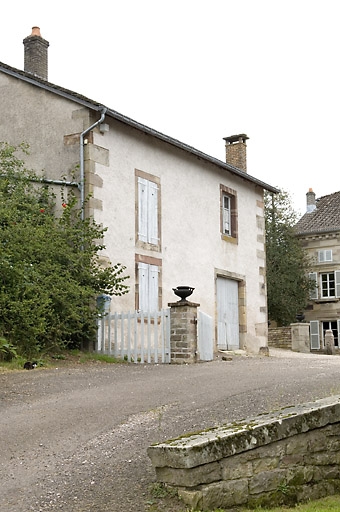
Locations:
(311, 204)
(36, 54)
(236, 151)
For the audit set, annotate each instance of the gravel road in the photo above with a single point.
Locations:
(75, 438)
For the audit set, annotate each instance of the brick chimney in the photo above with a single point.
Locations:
(311, 204)
(236, 151)
(36, 54)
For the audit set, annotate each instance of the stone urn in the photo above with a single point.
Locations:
(300, 317)
(183, 292)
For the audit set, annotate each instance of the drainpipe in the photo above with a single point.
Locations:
(82, 164)
(50, 182)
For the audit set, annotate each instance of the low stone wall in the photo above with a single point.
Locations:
(271, 460)
(280, 337)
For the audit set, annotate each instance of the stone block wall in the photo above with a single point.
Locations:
(271, 460)
(280, 337)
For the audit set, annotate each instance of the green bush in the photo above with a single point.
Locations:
(50, 265)
(7, 350)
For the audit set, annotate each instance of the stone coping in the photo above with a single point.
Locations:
(211, 445)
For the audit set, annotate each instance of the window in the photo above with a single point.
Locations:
(332, 326)
(325, 256)
(148, 287)
(318, 332)
(148, 210)
(228, 213)
(327, 285)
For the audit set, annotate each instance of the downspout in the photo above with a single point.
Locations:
(82, 164)
(50, 181)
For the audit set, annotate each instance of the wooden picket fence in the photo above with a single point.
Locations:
(135, 336)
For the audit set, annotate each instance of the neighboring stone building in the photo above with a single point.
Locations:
(319, 232)
(175, 216)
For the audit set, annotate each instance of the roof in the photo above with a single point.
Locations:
(94, 105)
(325, 217)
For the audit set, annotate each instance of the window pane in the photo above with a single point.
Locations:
(226, 215)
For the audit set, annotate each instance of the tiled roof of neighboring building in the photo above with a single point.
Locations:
(66, 93)
(325, 217)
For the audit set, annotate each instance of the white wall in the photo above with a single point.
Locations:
(191, 244)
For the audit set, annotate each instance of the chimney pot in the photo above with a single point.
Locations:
(36, 31)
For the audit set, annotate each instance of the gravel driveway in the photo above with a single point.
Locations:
(75, 438)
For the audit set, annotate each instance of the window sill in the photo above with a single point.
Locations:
(326, 300)
(231, 239)
(147, 246)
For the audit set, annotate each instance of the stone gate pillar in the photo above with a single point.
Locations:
(329, 342)
(300, 337)
(183, 331)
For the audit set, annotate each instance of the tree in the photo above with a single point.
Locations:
(50, 268)
(288, 284)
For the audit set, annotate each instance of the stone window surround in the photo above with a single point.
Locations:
(232, 194)
(149, 260)
(139, 243)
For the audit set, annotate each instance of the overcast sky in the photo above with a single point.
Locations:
(199, 71)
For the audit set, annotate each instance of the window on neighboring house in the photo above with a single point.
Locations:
(148, 228)
(318, 333)
(325, 256)
(332, 326)
(148, 287)
(228, 212)
(329, 285)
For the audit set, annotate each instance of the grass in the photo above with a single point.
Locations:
(64, 358)
(331, 503)
(86, 357)
(162, 496)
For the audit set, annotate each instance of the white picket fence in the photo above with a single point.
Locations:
(135, 336)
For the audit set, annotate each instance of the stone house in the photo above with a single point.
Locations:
(175, 216)
(319, 232)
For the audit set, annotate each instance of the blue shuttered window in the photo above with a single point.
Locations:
(148, 287)
(148, 211)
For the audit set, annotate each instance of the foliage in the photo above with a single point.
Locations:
(7, 350)
(50, 268)
(288, 265)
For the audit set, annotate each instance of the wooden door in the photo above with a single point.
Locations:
(227, 314)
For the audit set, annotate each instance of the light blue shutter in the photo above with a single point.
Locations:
(152, 213)
(142, 210)
(314, 335)
(143, 278)
(313, 294)
(337, 283)
(328, 255)
(153, 288)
